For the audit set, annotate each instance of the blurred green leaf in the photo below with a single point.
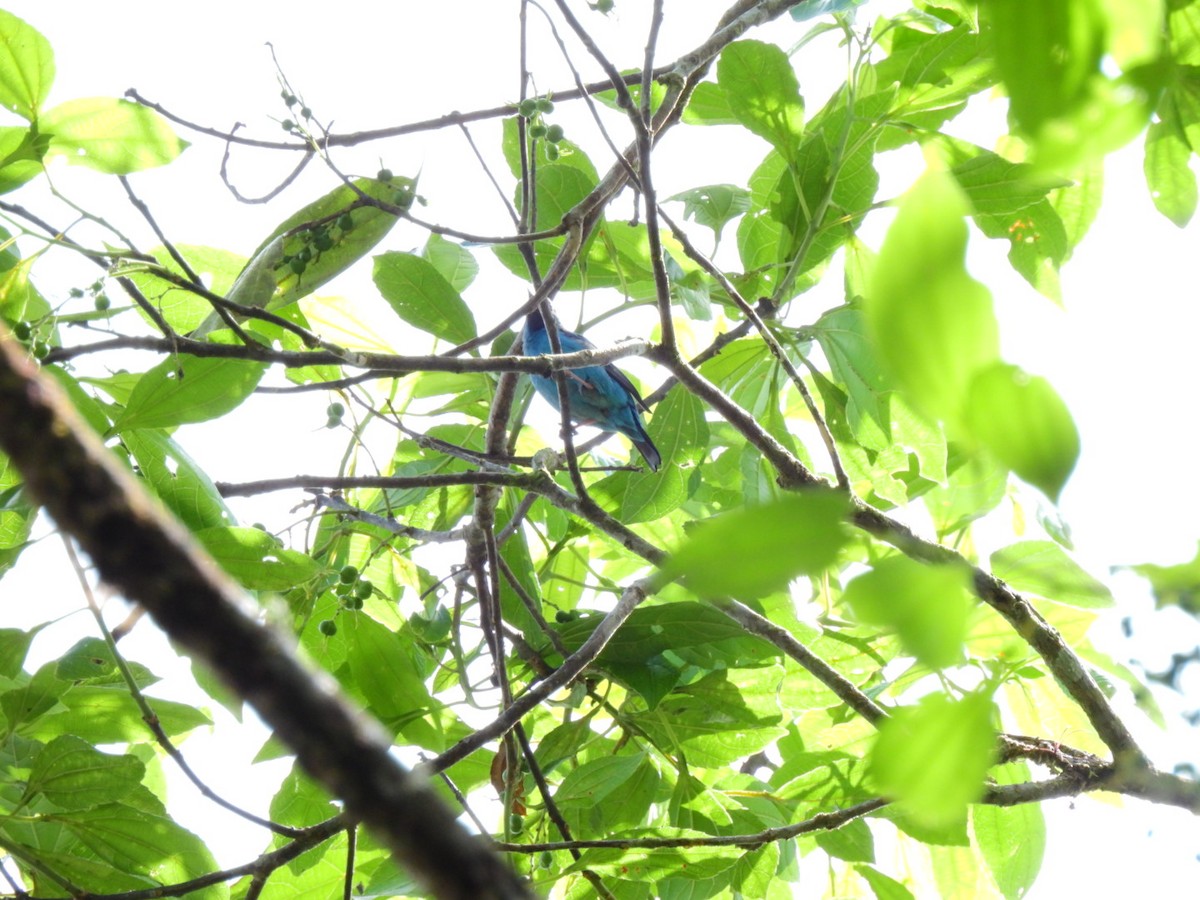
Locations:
(758, 549)
(927, 606)
(113, 136)
(933, 757)
(1043, 568)
(1021, 419)
(1174, 585)
(930, 322)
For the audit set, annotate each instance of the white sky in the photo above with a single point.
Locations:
(1122, 354)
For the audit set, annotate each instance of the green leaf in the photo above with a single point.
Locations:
(1021, 419)
(91, 661)
(559, 187)
(756, 550)
(724, 716)
(1012, 839)
(386, 669)
(1043, 568)
(855, 367)
(1177, 585)
(187, 389)
(1048, 54)
(933, 757)
(974, 489)
(569, 153)
(760, 84)
(679, 431)
(106, 714)
(454, 263)
(852, 842)
(658, 644)
(1049, 57)
(300, 802)
(26, 66)
(72, 774)
(1169, 176)
(331, 234)
(422, 297)
(930, 322)
(139, 842)
(257, 559)
(993, 184)
(715, 205)
(592, 782)
(21, 154)
(927, 606)
(14, 645)
(182, 309)
(182, 486)
(1038, 243)
(884, 887)
(110, 135)
(709, 105)
(17, 512)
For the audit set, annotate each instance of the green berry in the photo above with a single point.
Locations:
(288, 125)
(516, 824)
(527, 108)
(22, 331)
(348, 575)
(333, 422)
(403, 198)
(41, 350)
(551, 152)
(544, 105)
(288, 97)
(345, 221)
(306, 112)
(335, 410)
(322, 240)
(328, 627)
(304, 254)
(76, 292)
(363, 589)
(354, 603)
(537, 130)
(384, 174)
(554, 133)
(545, 859)
(563, 616)
(102, 302)
(297, 265)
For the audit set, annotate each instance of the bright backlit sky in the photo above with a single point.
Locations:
(1122, 353)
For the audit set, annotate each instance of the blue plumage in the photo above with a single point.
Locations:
(600, 396)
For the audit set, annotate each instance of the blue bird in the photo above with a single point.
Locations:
(600, 396)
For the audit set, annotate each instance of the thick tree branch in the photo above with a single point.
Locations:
(93, 498)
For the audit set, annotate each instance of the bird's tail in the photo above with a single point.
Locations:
(649, 452)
